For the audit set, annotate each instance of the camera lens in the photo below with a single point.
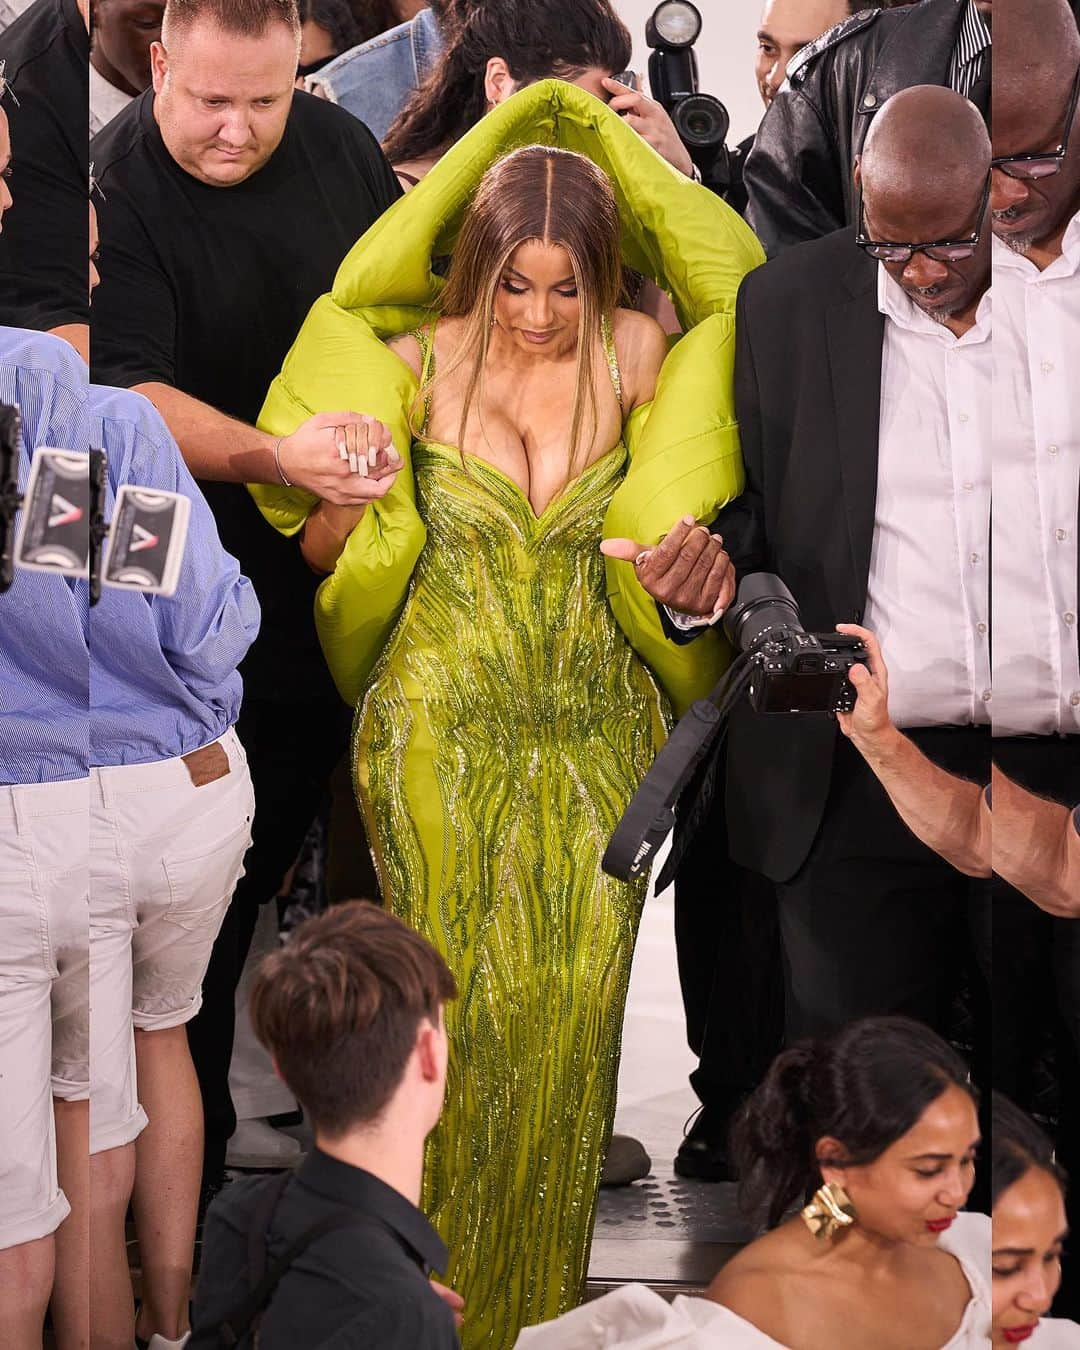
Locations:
(762, 606)
(677, 23)
(702, 120)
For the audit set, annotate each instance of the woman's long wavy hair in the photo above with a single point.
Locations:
(538, 39)
(866, 1087)
(552, 196)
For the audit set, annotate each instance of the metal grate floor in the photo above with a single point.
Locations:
(666, 1232)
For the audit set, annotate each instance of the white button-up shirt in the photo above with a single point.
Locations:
(928, 593)
(1036, 488)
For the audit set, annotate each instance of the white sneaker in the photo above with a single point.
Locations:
(256, 1144)
(160, 1343)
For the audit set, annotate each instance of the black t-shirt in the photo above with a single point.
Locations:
(205, 288)
(357, 1288)
(43, 246)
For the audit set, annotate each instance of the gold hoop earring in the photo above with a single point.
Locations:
(829, 1212)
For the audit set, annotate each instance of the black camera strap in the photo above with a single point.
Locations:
(650, 817)
(263, 1279)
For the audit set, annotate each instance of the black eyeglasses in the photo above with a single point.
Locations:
(941, 250)
(1042, 163)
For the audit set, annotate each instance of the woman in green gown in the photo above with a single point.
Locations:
(509, 722)
(502, 670)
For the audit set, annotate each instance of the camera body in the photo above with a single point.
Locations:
(800, 672)
(793, 671)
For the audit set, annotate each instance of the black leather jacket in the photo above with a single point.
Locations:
(798, 174)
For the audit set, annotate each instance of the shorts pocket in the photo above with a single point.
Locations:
(199, 883)
(25, 952)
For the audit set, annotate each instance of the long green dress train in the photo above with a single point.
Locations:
(505, 728)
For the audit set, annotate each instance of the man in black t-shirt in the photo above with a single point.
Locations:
(228, 203)
(44, 54)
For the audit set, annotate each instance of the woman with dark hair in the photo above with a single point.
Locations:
(1028, 1192)
(494, 48)
(874, 1131)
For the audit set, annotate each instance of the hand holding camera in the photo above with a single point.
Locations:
(869, 720)
(651, 122)
(779, 668)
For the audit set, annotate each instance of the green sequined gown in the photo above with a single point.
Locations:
(505, 729)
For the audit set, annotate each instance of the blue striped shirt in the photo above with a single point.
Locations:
(44, 667)
(163, 670)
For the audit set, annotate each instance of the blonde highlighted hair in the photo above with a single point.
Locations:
(550, 196)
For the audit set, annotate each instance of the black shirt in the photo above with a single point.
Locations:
(44, 247)
(362, 1288)
(205, 288)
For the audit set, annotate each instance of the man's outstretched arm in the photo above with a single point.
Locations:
(947, 813)
(1036, 847)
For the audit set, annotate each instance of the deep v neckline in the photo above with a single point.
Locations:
(514, 485)
(427, 370)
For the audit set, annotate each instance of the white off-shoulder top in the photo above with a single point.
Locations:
(635, 1318)
(1054, 1333)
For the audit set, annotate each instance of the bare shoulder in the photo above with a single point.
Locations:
(407, 347)
(641, 346)
(750, 1283)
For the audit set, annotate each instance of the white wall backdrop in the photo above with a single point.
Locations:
(725, 54)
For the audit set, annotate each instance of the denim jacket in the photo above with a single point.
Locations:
(373, 81)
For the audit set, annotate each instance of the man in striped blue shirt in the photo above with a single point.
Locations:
(171, 806)
(116, 724)
(44, 886)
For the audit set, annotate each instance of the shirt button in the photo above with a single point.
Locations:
(964, 417)
(1052, 449)
(986, 695)
(1061, 535)
(1070, 617)
(1047, 367)
(974, 559)
(980, 627)
(968, 487)
(870, 101)
(1074, 699)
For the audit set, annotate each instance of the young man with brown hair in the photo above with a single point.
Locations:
(351, 1010)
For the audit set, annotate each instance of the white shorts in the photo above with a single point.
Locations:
(166, 855)
(44, 994)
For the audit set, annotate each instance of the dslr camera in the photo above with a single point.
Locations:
(792, 671)
(779, 668)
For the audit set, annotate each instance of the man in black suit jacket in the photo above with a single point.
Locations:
(862, 389)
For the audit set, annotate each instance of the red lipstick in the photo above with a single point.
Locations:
(938, 1225)
(1014, 1335)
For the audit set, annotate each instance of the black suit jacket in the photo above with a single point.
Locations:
(807, 392)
